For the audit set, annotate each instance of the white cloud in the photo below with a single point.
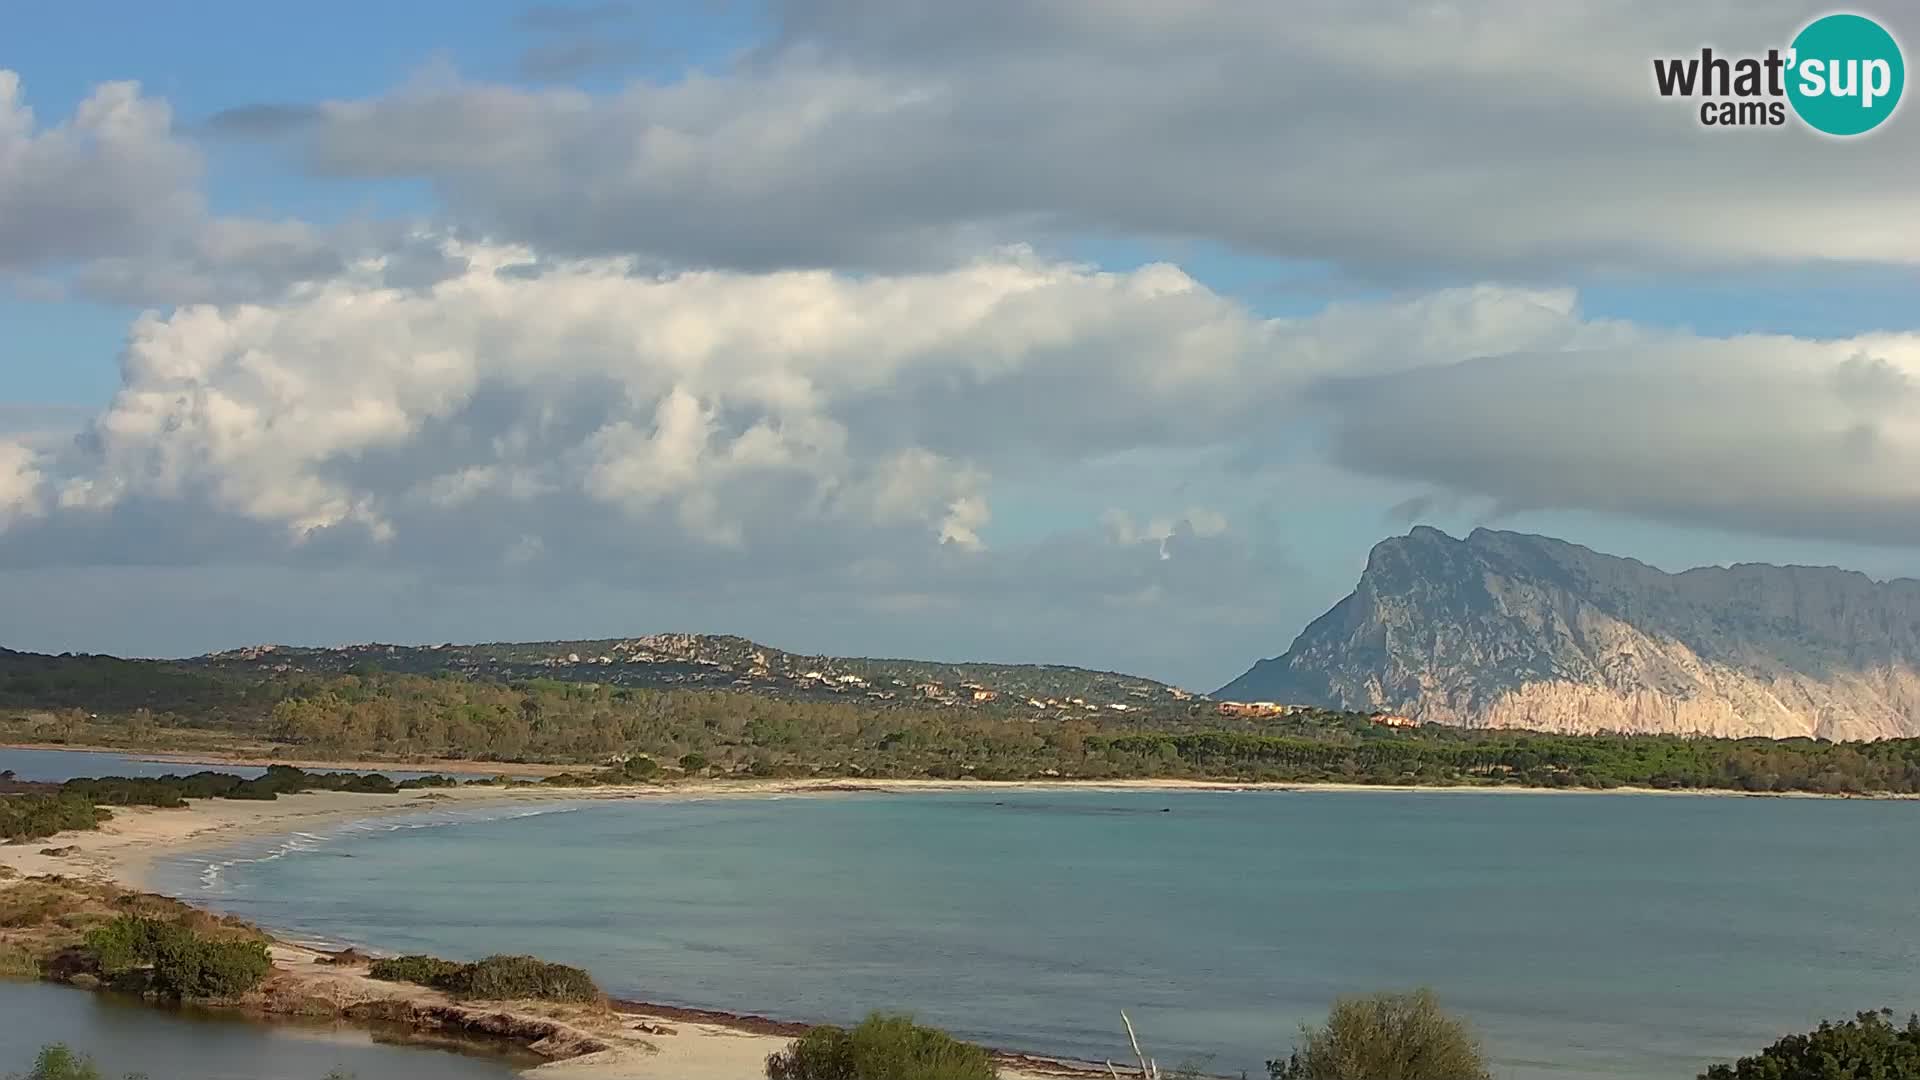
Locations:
(20, 481)
(112, 194)
(1499, 137)
(732, 409)
(108, 180)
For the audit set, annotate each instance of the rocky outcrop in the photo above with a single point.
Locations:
(1510, 630)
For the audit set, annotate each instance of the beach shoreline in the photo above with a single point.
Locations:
(123, 849)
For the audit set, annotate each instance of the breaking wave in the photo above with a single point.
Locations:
(209, 868)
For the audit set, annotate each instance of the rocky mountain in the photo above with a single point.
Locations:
(1506, 629)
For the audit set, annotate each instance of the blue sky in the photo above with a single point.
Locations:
(1358, 287)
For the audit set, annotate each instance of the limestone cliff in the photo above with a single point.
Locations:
(1509, 630)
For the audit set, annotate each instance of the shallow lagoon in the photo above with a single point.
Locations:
(126, 1035)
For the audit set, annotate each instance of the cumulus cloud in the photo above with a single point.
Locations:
(1499, 137)
(110, 199)
(19, 482)
(108, 180)
(734, 411)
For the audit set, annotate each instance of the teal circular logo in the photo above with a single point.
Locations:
(1846, 74)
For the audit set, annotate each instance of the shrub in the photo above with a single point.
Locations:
(640, 767)
(57, 1062)
(34, 816)
(1868, 1047)
(424, 970)
(435, 780)
(512, 978)
(189, 966)
(496, 978)
(694, 762)
(183, 963)
(1385, 1037)
(128, 942)
(881, 1048)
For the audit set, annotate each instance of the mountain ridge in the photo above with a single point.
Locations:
(716, 661)
(1506, 629)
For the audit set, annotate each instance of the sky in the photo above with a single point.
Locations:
(1101, 332)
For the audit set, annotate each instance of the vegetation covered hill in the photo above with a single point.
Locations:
(713, 661)
(305, 714)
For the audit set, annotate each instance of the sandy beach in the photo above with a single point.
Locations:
(123, 849)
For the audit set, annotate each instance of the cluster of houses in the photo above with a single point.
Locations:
(965, 692)
(1259, 710)
(1256, 709)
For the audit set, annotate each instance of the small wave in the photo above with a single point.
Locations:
(212, 870)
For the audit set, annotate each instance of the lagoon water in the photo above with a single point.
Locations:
(1585, 935)
(125, 1035)
(54, 766)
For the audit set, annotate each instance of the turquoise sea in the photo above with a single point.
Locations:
(1584, 935)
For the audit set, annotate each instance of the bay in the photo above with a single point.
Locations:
(1584, 935)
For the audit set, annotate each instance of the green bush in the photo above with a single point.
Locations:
(182, 963)
(694, 762)
(640, 767)
(188, 966)
(881, 1048)
(513, 978)
(423, 970)
(1868, 1047)
(1385, 1037)
(496, 978)
(126, 943)
(34, 816)
(57, 1062)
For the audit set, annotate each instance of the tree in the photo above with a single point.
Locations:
(58, 1062)
(1385, 1037)
(1868, 1047)
(881, 1048)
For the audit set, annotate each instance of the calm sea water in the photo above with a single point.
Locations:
(124, 1035)
(1584, 935)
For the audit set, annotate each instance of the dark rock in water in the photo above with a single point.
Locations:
(1505, 629)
